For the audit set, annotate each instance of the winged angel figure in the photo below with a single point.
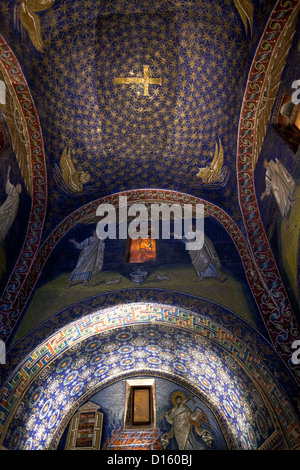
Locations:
(215, 173)
(73, 179)
(31, 21)
(245, 9)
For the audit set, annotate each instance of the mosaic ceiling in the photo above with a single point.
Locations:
(163, 101)
(123, 136)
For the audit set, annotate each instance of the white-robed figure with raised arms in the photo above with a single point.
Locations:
(280, 183)
(205, 259)
(90, 259)
(202, 253)
(9, 208)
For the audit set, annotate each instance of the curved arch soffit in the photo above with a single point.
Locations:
(31, 160)
(87, 214)
(143, 338)
(263, 296)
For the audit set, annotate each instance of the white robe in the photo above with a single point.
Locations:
(281, 184)
(205, 260)
(90, 259)
(181, 418)
(9, 209)
(181, 427)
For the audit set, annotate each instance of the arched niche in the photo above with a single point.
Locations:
(147, 338)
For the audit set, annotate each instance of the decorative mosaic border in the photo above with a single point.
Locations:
(268, 291)
(14, 76)
(281, 323)
(92, 321)
(218, 313)
(264, 301)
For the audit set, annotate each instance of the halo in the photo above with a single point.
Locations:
(177, 393)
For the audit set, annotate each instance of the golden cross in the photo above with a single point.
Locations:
(146, 80)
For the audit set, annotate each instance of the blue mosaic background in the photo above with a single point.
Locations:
(150, 349)
(111, 403)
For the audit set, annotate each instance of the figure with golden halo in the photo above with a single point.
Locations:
(183, 422)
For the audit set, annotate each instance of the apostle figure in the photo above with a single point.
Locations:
(281, 184)
(183, 421)
(9, 208)
(90, 259)
(205, 259)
